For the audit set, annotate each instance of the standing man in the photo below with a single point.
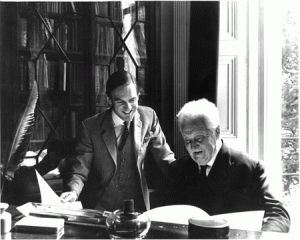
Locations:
(219, 179)
(111, 150)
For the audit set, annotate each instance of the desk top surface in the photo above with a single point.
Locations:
(158, 230)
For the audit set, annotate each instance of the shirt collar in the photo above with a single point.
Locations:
(116, 119)
(218, 147)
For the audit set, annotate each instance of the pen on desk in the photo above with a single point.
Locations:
(49, 215)
(86, 224)
(60, 209)
(18, 216)
(86, 220)
(71, 219)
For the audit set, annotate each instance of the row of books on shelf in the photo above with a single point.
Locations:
(52, 75)
(108, 41)
(55, 7)
(111, 9)
(105, 40)
(66, 126)
(69, 34)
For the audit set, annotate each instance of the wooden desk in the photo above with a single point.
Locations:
(158, 230)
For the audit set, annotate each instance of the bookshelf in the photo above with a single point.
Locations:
(71, 48)
(52, 45)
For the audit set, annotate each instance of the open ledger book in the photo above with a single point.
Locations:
(180, 214)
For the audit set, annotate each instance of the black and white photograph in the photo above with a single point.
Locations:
(149, 119)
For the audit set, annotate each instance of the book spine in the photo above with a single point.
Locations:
(52, 72)
(73, 7)
(62, 71)
(21, 74)
(64, 76)
(105, 40)
(64, 42)
(101, 46)
(73, 124)
(97, 83)
(39, 72)
(22, 32)
(50, 26)
(57, 34)
(111, 10)
(71, 77)
(80, 36)
(45, 71)
(101, 8)
(79, 79)
(31, 74)
(97, 51)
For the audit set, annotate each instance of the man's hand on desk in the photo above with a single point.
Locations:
(69, 196)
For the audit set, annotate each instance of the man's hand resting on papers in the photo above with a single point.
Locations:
(69, 196)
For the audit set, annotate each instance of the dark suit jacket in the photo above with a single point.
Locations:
(235, 183)
(91, 171)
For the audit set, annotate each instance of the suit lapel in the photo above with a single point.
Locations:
(137, 133)
(220, 169)
(109, 136)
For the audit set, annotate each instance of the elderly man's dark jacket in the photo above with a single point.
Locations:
(235, 183)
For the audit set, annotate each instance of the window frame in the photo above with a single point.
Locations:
(265, 92)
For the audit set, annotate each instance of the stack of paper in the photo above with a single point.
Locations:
(31, 224)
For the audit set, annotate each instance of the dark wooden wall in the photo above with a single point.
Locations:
(8, 75)
(204, 42)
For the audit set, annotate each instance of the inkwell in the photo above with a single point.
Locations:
(127, 223)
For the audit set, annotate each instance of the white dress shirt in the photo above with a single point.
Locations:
(118, 125)
(212, 161)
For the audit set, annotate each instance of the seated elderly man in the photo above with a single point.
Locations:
(219, 179)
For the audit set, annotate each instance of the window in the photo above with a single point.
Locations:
(278, 99)
(259, 101)
(290, 106)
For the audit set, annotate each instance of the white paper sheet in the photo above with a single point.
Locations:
(179, 214)
(49, 197)
(26, 208)
(249, 220)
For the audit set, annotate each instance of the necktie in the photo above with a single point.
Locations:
(124, 136)
(203, 173)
